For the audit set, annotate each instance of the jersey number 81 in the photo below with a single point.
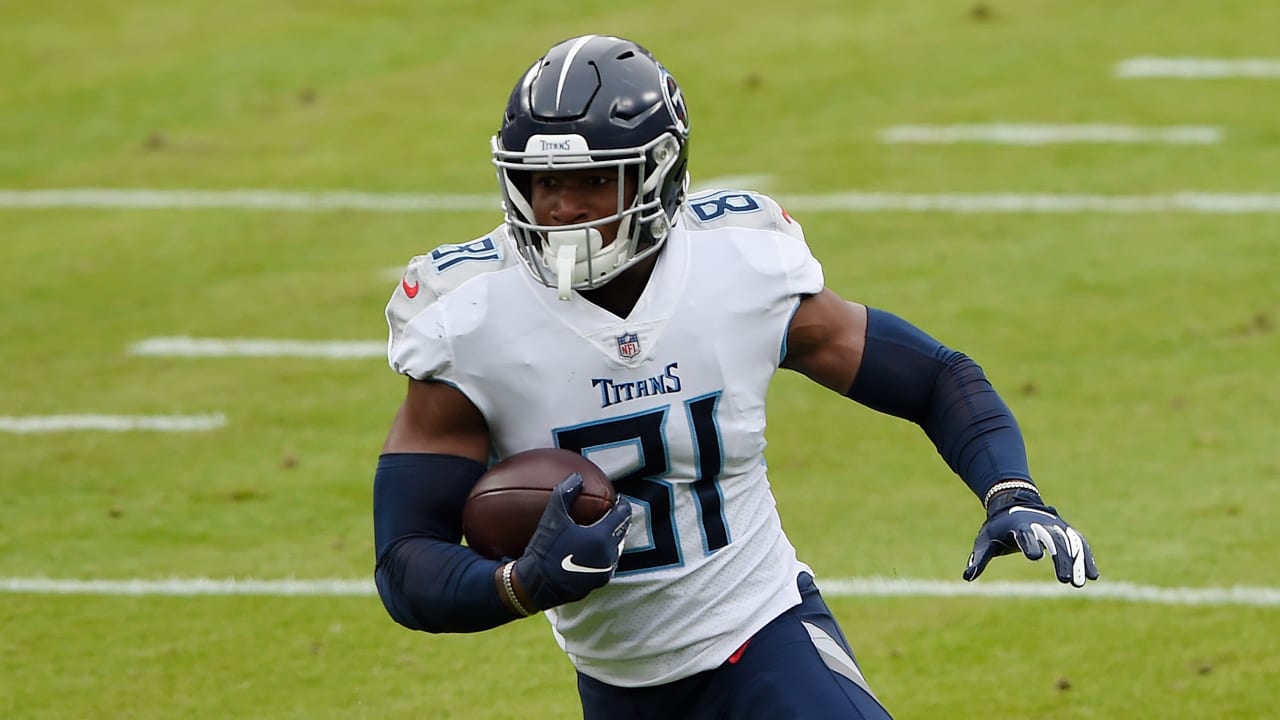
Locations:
(647, 484)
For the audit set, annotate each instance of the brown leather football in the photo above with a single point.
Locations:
(503, 509)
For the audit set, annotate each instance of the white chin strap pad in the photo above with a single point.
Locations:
(566, 258)
(571, 250)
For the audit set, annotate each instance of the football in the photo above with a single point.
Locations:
(504, 507)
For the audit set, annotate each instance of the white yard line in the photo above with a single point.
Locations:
(1033, 134)
(855, 202)
(1198, 68)
(834, 587)
(186, 587)
(23, 425)
(149, 199)
(1108, 590)
(251, 347)
(964, 203)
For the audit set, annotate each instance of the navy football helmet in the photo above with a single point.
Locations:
(594, 101)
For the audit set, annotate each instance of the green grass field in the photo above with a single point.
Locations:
(1139, 350)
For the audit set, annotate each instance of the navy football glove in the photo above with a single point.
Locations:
(564, 560)
(1018, 519)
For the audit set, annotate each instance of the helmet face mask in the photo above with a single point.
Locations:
(594, 103)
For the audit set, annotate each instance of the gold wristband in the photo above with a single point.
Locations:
(511, 590)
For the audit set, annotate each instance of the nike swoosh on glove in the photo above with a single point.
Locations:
(564, 561)
(1018, 520)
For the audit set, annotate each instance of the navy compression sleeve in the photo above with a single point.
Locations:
(910, 375)
(426, 579)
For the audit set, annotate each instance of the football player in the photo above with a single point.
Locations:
(615, 315)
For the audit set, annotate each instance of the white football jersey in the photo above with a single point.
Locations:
(430, 276)
(670, 402)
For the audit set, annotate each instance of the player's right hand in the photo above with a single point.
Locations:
(1018, 520)
(564, 560)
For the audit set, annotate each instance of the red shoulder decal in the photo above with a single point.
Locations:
(410, 290)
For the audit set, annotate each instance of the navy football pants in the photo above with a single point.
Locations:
(798, 667)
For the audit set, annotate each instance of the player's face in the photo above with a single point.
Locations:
(567, 197)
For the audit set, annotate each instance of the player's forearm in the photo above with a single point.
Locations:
(908, 374)
(440, 587)
(973, 428)
(425, 578)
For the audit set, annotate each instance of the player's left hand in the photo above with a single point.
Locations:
(1019, 520)
(565, 561)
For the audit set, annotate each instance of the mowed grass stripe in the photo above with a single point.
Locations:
(834, 587)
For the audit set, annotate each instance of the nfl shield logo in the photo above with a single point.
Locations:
(628, 345)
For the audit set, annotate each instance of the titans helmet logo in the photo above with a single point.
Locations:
(675, 101)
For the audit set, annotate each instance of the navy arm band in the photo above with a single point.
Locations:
(908, 374)
(426, 579)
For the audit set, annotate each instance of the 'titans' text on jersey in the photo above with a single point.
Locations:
(613, 391)
(680, 433)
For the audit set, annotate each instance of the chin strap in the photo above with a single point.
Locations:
(568, 247)
(566, 256)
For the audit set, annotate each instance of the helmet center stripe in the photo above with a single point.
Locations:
(568, 63)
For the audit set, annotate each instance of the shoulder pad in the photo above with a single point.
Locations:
(740, 209)
(432, 275)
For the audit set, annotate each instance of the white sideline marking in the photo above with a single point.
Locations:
(23, 425)
(1015, 134)
(247, 347)
(1193, 68)
(860, 202)
(835, 587)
